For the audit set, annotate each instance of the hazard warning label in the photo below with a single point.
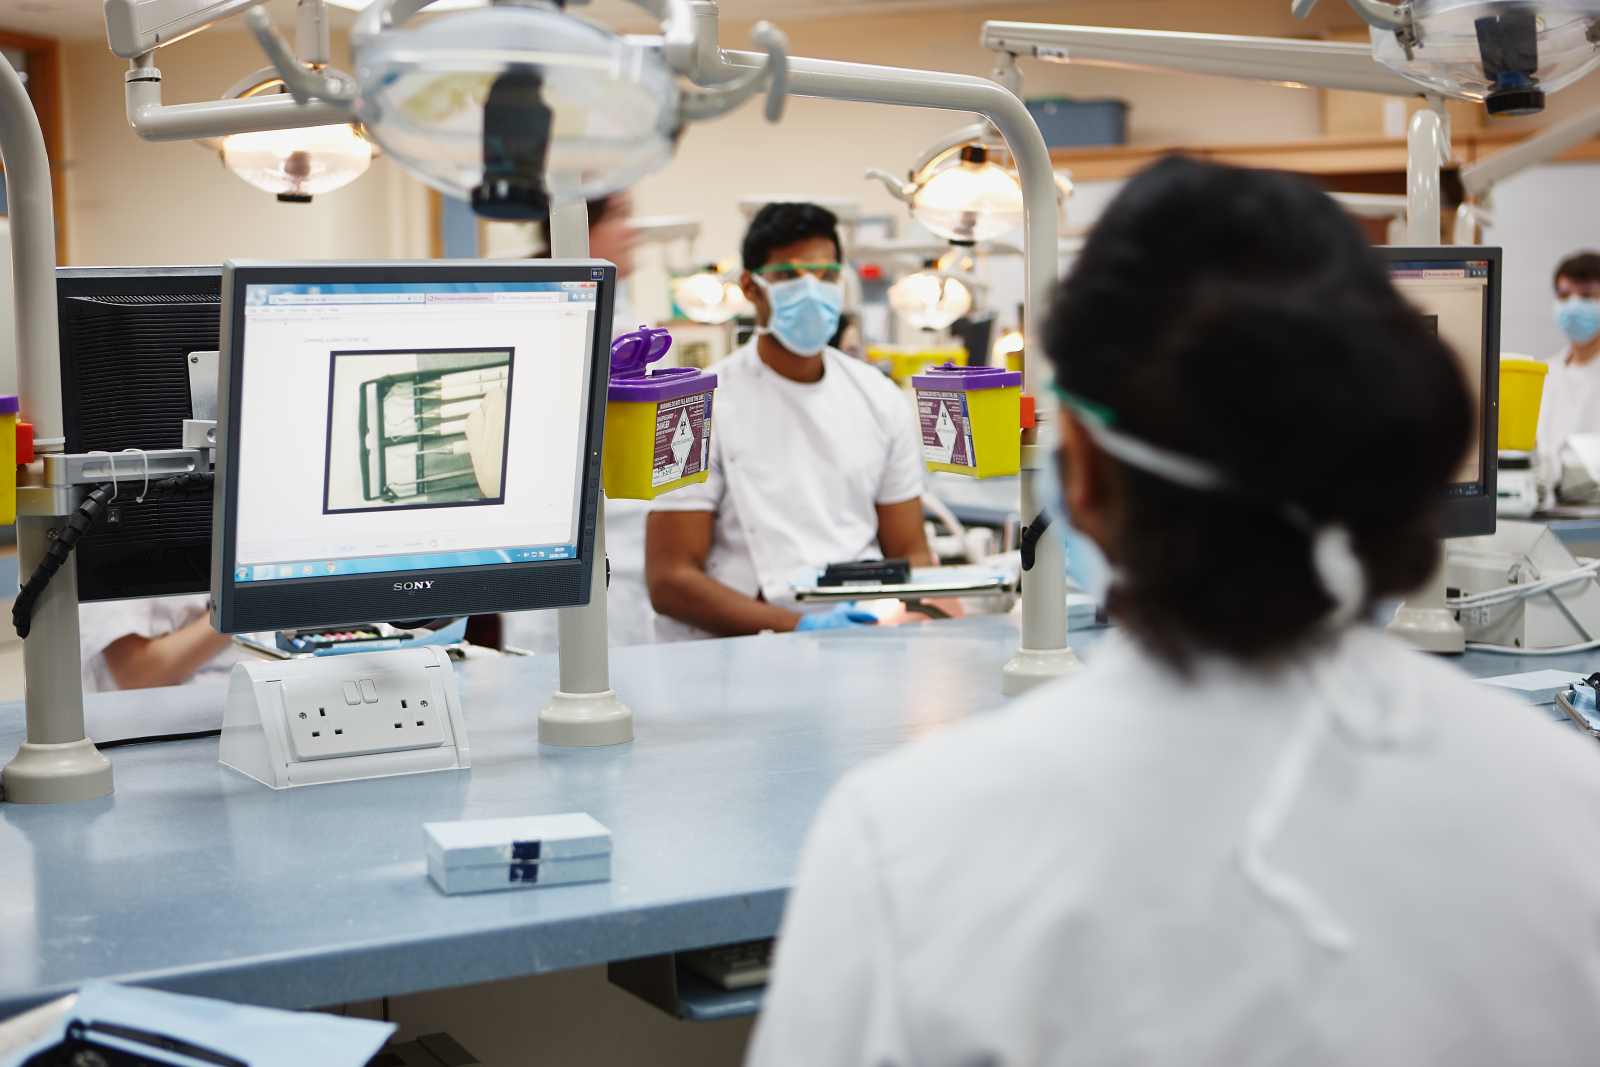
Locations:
(683, 438)
(946, 428)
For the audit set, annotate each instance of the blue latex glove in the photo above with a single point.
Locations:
(843, 616)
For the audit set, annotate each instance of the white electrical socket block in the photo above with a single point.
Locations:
(339, 718)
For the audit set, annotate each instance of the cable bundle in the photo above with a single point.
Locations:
(178, 487)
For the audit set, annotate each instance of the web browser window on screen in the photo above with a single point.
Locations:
(398, 427)
(1454, 295)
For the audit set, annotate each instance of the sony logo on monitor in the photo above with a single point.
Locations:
(406, 587)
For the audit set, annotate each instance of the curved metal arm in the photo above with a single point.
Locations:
(773, 74)
(303, 84)
(1374, 12)
(897, 189)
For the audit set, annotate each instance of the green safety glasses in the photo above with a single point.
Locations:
(788, 272)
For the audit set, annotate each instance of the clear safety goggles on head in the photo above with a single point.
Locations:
(1332, 553)
(788, 272)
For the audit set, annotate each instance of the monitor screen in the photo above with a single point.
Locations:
(128, 335)
(1457, 289)
(408, 441)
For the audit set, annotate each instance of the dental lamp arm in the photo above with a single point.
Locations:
(1396, 17)
(1479, 177)
(1317, 64)
(772, 75)
(1374, 12)
(896, 189)
(218, 118)
(304, 85)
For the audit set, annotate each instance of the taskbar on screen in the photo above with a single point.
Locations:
(262, 572)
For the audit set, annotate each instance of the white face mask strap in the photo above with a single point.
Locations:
(1333, 554)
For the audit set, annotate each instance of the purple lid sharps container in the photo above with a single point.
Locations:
(950, 376)
(633, 382)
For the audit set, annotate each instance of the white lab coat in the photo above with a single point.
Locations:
(796, 473)
(102, 622)
(630, 620)
(1570, 404)
(1064, 882)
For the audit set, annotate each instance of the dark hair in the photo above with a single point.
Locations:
(776, 225)
(1583, 267)
(1239, 316)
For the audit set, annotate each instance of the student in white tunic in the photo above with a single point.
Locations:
(140, 644)
(1253, 831)
(815, 456)
(1571, 402)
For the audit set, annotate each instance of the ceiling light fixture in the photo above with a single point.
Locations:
(708, 296)
(930, 299)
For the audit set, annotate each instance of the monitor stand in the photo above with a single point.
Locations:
(1426, 620)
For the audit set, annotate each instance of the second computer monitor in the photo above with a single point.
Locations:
(408, 440)
(1458, 289)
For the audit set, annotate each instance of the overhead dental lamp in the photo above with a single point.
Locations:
(298, 164)
(1507, 53)
(960, 195)
(512, 105)
(930, 299)
(708, 296)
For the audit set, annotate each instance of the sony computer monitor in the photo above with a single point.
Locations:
(1457, 288)
(127, 337)
(407, 440)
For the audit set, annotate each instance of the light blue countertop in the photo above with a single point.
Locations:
(194, 878)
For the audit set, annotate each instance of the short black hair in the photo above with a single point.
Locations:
(776, 225)
(1583, 267)
(1239, 316)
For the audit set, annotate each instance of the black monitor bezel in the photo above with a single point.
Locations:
(1471, 516)
(235, 607)
(87, 283)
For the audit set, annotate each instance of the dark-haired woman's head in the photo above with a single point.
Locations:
(1239, 317)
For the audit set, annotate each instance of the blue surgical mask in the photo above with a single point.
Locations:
(1579, 318)
(805, 312)
(1086, 565)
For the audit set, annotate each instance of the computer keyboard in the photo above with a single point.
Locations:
(740, 966)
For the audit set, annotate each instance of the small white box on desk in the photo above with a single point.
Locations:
(340, 718)
(477, 855)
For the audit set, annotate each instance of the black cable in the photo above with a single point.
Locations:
(1030, 539)
(176, 488)
(157, 739)
(60, 549)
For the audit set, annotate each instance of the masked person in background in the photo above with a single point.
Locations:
(815, 458)
(1571, 401)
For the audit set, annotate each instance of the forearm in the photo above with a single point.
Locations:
(146, 662)
(691, 595)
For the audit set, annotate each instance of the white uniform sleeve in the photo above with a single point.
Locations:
(903, 474)
(832, 996)
(700, 496)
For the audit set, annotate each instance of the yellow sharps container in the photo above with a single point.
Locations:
(971, 419)
(658, 425)
(8, 460)
(1521, 390)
